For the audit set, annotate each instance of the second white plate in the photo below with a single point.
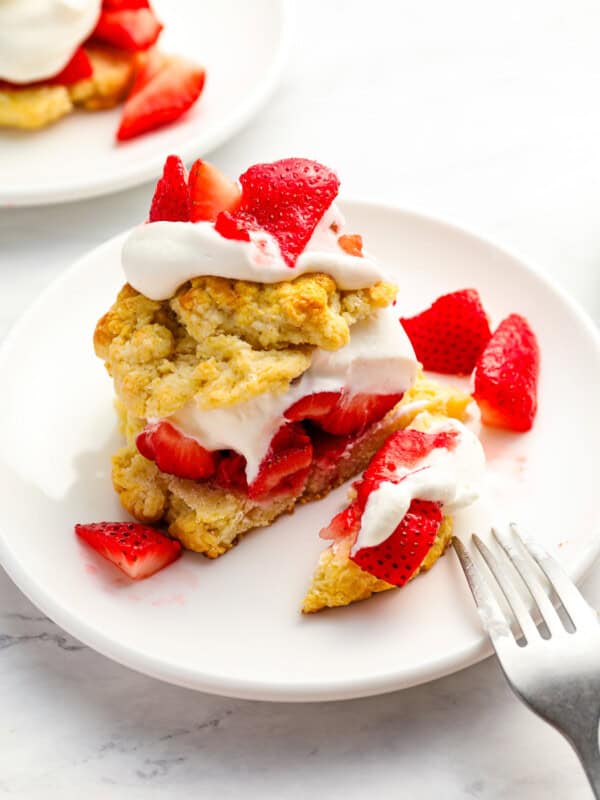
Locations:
(232, 626)
(242, 46)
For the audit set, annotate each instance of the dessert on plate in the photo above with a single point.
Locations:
(59, 55)
(259, 361)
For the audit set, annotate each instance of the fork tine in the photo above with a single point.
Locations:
(507, 584)
(580, 612)
(532, 583)
(490, 613)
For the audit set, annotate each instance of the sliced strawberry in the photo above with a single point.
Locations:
(506, 376)
(175, 453)
(231, 471)
(352, 245)
(230, 227)
(404, 448)
(354, 413)
(312, 406)
(128, 28)
(344, 524)
(164, 99)
(150, 63)
(171, 199)
(122, 5)
(450, 335)
(211, 192)
(286, 465)
(397, 558)
(288, 199)
(138, 550)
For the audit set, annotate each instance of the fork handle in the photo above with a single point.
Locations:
(588, 752)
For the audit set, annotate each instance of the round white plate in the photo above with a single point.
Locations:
(242, 46)
(232, 626)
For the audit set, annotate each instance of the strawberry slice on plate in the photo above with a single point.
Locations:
(171, 199)
(211, 192)
(128, 28)
(175, 453)
(285, 467)
(287, 199)
(506, 376)
(166, 96)
(397, 558)
(450, 335)
(137, 550)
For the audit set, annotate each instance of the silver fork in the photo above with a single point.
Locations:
(553, 667)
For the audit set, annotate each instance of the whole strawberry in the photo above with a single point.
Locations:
(506, 376)
(450, 335)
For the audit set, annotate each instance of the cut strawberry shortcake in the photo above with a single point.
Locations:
(58, 55)
(257, 358)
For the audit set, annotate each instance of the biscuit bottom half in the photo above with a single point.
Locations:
(210, 520)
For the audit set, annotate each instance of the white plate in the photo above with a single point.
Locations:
(232, 626)
(242, 45)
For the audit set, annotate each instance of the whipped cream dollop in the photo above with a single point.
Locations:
(160, 256)
(379, 359)
(451, 477)
(38, 37)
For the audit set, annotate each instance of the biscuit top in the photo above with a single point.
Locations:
(280, 224)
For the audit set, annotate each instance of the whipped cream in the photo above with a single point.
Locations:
(38, 37)
(158, 257)
(450, 477)
(378, 359)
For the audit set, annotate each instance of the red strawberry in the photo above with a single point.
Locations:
(343, 524)
(231, 228)
(138, 550)
(231, 471)
(150, 63)
(397, 558)
(312, 406)
(450, 335)
(175, 453)
(354, 413)
(286, 198)
(171, 199)
(128, 28)
(164, 99)
(404, 448)
(506, 376)
(211, 192)
(286, 465)
(352, 245)
(122, 5)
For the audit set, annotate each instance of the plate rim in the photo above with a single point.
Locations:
(28, 197)
(251, 689)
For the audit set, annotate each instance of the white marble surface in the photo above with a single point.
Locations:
(484, 113)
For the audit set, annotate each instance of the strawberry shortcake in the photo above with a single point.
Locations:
(58, 55)
(256, 354)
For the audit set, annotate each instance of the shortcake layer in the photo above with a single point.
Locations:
(221, 342)
(38, 106)
(210, 520)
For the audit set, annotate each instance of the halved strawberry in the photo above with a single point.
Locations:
(351, 244)
(312, 406)
(211, 192)
(231, 228)
(450, 335)
(506, 376)
(397, 558)
(171, 198)
(128, 28)
(162, 100)
(137, 550)
(175, 453)
(122, 5)
(168, 95)
(354, 413)
(149, 64)
(404, 448)
(286, 465)
(286, 198)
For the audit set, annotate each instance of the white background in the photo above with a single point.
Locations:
(484, 113)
